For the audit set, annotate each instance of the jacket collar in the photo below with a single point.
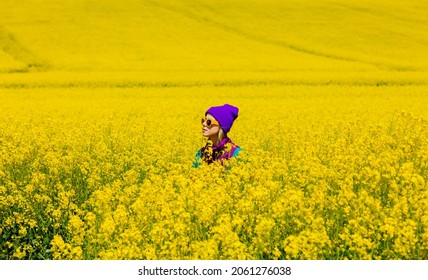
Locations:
(222, 143)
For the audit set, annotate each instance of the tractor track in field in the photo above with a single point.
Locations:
(280, 43)
(11, 46)
(235, 83)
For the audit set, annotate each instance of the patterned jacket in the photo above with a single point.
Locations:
(226, 149)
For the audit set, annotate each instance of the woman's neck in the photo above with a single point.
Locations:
(215, 139)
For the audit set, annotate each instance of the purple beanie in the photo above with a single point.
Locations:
(225, 115)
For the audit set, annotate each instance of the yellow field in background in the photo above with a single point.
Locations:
(100, 107)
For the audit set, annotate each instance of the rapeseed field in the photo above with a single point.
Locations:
(101, 103)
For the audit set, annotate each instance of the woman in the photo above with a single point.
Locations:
(216, 124)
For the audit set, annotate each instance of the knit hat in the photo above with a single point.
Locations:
(225, 115)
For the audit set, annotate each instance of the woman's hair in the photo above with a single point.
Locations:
(221, 135)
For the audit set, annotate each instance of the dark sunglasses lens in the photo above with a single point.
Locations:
(208, 122)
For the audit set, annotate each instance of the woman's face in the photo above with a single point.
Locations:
(208, 132)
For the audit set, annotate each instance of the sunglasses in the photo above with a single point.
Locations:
(209, 122)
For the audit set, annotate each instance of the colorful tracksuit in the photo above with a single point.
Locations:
(226, 149)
